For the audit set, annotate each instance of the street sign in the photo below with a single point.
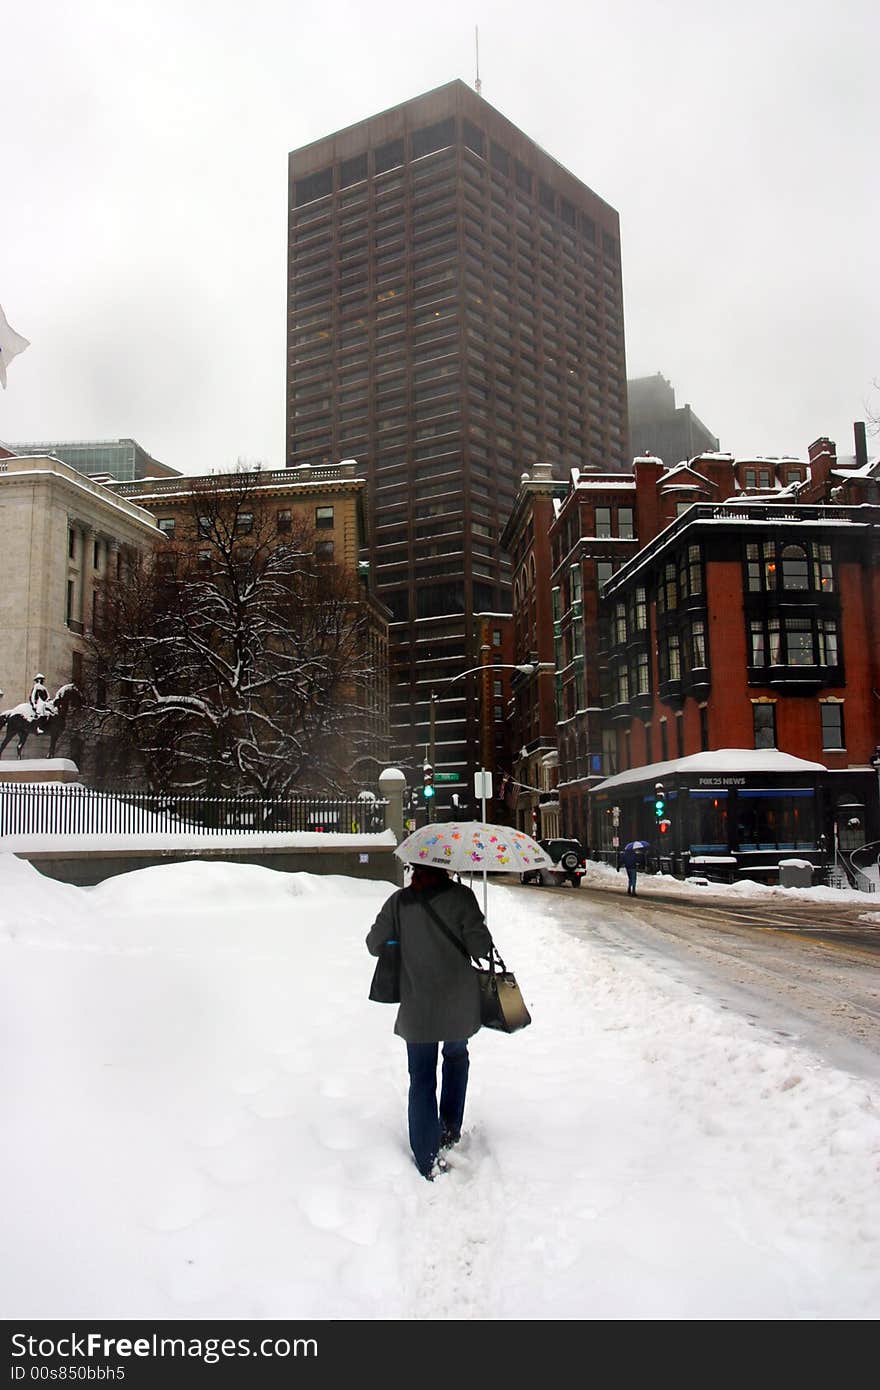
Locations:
(483, 785)
(447, 777)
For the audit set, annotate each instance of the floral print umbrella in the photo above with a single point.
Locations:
(471, 847)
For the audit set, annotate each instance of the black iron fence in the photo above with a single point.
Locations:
(76, 810)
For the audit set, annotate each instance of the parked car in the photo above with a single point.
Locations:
(569, 864)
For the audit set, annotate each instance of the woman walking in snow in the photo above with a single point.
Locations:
(439, 1000)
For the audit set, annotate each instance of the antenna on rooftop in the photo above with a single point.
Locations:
(477, 84)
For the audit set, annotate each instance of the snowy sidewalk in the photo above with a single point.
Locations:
(208, 1120)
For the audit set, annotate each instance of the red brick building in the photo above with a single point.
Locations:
(724, 604)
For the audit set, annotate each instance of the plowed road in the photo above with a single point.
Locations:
(809, 972)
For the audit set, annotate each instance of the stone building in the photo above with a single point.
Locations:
(62, 533)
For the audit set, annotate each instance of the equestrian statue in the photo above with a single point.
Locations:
(39, 715)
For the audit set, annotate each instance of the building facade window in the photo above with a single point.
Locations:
(640, 610)
(795, 570)
(323, 518)
(698, 644)
(772, 566)
(831, 714)
(764, 722)
(794, 639)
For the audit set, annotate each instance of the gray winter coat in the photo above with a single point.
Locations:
(439, 995)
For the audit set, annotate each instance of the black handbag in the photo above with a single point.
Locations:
(385, 986)
(501, 1003)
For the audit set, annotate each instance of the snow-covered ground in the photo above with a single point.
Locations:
(205, 1117)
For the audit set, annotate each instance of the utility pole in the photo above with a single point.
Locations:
(486, 749)
(432, 747)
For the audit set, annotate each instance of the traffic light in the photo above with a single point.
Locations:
(659, 802)
(664, 826)
(427, 781)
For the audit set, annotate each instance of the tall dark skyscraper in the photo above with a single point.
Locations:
(455, 316)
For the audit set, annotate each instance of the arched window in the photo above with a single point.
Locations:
(795, 570)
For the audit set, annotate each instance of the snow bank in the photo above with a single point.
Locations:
(205, 1117)
(601, 875)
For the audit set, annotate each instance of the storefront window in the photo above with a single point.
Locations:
(707, 821)
(775, 819)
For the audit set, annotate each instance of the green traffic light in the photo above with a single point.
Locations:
(427, 793)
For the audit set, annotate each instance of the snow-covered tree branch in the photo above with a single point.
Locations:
(234, 659)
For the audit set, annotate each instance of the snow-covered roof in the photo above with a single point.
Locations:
(604, 484)
(721, 760)
(867, 470)
(682, 467)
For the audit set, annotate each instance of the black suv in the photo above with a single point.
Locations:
(569, 864)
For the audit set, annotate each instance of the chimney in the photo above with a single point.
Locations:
(861, 444)
(823, 457)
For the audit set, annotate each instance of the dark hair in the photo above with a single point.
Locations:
(427, 876)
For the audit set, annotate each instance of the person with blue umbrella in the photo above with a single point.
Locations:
(631, 863)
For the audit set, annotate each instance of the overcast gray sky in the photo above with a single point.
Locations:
(143, 166)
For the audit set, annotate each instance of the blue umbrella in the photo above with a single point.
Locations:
(638, 844)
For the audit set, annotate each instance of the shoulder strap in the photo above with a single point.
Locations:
(454, 939)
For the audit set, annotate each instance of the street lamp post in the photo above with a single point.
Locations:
(526, 668)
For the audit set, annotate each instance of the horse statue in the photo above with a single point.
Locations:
(23, 720)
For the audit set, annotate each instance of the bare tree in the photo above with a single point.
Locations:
(232, 660)
(872, 411)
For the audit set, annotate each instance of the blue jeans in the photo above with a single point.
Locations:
(631, 878)
(425, 1124)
